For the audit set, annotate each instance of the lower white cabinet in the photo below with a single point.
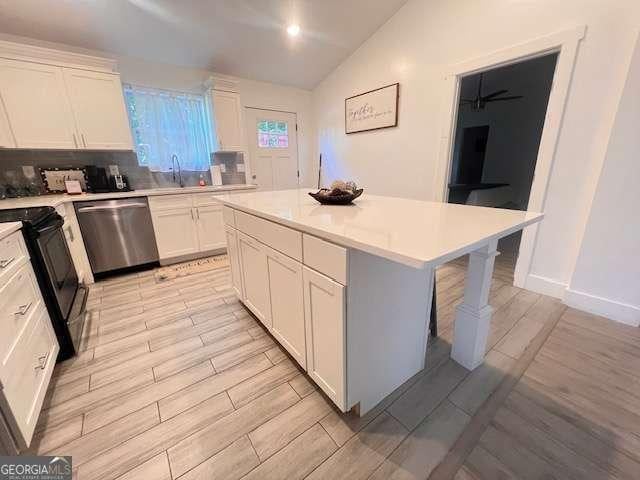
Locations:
(176, 233)
(28, 345)
(183, 226)
(255, 278)
(287, 304)
(234, 260)
(210, 225)
(324, 305)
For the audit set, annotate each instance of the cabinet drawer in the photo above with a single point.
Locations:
(19, 299)
(228, 216)
(205, 199)
(283, 239)
(325, 257)
(169, 202)
(12, 253)
(29, 374)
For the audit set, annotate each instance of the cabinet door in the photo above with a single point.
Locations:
(37, 105)
(234, 260)
(99, 110)
(227, 111)
(287, 304)
(24, 392)
(210, 228)
(255, 278)
(324, 311)
(175, 232)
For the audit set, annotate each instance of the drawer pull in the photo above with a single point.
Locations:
(42, 362)
(23, 309)
(7, 262)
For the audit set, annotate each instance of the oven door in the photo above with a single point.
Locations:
(55, 253)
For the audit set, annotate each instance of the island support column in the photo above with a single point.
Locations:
(473, 316)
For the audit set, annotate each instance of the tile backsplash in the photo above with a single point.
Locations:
(17, 179)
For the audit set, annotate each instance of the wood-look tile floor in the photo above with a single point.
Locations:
(177, 380)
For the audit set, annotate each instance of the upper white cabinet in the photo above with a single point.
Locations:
(99, 110)
(59, 100)
(37, 106)
(227, 114)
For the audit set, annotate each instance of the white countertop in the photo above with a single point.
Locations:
(7, 228)
(412, 232)
(55, 200)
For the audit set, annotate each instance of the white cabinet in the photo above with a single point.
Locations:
(28, 345)
(176, 233)
(210, 226)
(227, 114)
(255, 278)
(37, 105)
(287, 304)
(24, 393)
(234, 260)
(99, 110)
(324, 304)
(182, 229)
(53, 107)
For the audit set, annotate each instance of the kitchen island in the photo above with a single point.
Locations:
(347, 289)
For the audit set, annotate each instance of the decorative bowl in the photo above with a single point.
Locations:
(343, 199)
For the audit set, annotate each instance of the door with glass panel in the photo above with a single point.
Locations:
(273, 148)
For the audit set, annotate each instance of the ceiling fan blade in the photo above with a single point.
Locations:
(494, 94)
(514, 97)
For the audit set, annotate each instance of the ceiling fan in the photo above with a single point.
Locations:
(481, 101)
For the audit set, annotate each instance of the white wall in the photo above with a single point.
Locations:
(416, 47)
(252, 94)
(606, 279)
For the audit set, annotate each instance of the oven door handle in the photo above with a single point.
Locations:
(114, 207)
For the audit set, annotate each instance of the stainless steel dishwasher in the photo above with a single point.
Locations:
(117, 233)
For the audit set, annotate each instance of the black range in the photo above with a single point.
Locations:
(64, 297)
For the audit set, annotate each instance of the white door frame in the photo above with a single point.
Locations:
(565, 43)
(296, 133)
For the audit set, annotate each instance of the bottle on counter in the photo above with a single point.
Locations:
(202, 181)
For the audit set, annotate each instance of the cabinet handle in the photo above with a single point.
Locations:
(70, 232)
(198, 214)
(23, 309)
(84, 141)
(192, 217)
(6, 263)
(75, 141)
(42, 361)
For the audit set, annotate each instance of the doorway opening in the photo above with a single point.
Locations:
(273, 148)
(500, 120)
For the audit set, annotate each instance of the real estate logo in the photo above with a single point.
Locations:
(35, 468)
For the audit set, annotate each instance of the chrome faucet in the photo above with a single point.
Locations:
(174, 161)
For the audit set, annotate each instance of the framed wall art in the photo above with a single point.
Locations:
(372, 110)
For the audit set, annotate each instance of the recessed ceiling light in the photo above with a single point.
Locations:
(293, 30)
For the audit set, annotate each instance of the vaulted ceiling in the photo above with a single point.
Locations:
(246, 38)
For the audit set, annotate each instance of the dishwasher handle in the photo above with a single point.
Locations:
(112, 207)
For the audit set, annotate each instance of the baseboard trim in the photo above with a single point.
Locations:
(545, 286)
(605, 307)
